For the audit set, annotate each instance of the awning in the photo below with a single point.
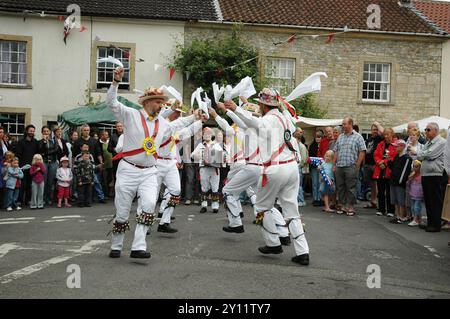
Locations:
(441, 121)
(94, 114)
(305, 122)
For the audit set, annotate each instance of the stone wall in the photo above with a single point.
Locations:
(415, 71)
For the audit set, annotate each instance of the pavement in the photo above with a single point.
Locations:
(42, 250)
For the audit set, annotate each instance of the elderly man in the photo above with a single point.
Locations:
(410, 126)
(350, 151)
(433, 174)
(144, 131)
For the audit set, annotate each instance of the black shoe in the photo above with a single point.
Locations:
(172, 218)
(165, 228)
(237, 230)
(241, 214)
(203, 210)
(271, 250)
(432, 229)
(140, 254)
(395, 221)
(102, 201)
(316, 203)
(254, 222)
(148, 232)
(301, 259)
(114, 254)
(87, 205)
(80, 205)
(160, 215)
(215, 211)
(285, 241)
(423, 226)
(321, 203)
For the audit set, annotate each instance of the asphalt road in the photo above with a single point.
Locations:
(37, 248)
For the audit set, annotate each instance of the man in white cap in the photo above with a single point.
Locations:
(144, 131)
(209, 156)
(280, 177)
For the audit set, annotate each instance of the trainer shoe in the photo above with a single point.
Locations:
(379, 214)
(413, 224)
(390, 215)
(9, 209)
(187, 202)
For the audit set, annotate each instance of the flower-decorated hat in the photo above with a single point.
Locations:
(152, 93)
(268, 97)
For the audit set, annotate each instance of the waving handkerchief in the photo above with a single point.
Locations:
(196, 96)
(311, 84)
(138, 92)
(228, 92)
(244, 88)
(217, 92)
(111, 60)
(169, 90)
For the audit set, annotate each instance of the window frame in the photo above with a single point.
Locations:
(271, 78)
(375, 82)
(29, 65)
(131, 47)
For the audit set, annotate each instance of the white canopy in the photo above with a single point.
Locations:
(441, 121)
(309, 122)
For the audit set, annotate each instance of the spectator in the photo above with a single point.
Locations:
(7, 162)
(49, 151)
(447, 156)
(369, 163)
(107, 176)
(191, 170)
(112, 148)
(96, 151)
(384, 153)
(416, 194)
(13, 177)
(400, 170)
(314, 152)
(324, 145)
(337, 130)
(303, 165)
(413, 145)
(414, 125)
(350, 150)
(85, 177)
(70, 147)
(25, 150)
(326, 190)
(63, 150)
(433, 176)
(3, 150)
(64, 177)
(37, 172)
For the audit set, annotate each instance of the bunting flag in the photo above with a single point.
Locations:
(126, 54)
(330, 38)
(61, 18)
(83, 28)
(292, 38)
(171, 73)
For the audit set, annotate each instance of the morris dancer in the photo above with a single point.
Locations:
(280, 174)
(137, 173)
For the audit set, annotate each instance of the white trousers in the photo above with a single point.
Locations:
(168, 175)
(130, 181)
(209, 181)
(282, 183)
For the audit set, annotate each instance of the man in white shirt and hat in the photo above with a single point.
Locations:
(279, 178)
(144, 131)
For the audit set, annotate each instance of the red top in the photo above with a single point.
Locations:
(37, 175)
(323, 147)
(379, 156)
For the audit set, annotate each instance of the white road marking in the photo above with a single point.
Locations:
(67, 216)
(20, 218)
(55, 220)
(14, 222)
(85, 249)
(191, 216)
(432, 250)
(6, 248)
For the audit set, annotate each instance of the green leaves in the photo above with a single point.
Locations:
(307, 107)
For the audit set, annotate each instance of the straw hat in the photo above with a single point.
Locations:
(268, 97)
(152, 93)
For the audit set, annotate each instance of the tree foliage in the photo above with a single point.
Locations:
(307, 106)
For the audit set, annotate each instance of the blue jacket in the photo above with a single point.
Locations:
(11, 177)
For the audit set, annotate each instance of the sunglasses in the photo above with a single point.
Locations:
(428, 130)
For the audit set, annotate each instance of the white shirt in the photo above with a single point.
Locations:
(234, 142)
(270, 134)
(134, 134)
(214, 150)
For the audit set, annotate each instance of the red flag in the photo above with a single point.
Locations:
(171, 73)
(330, 38)
(61, 18)
(292, 38)
(289, 106)
(83, 28)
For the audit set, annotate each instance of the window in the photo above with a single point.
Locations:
(13, 123)
(280, 73)
(376, 82)
(13, 62)
(105, 69)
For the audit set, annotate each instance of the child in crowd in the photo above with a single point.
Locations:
(327, 191)
(37, 172)
(13, 176)
(85, 178)
(400, 170)
(64, 178)
(416, 193)
(7, 161)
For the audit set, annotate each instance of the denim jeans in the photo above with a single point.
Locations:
(11, 197)
(315, 184)
(300, 196)
(98, 186)
(37, 195)
(416, 208)
(49, 181)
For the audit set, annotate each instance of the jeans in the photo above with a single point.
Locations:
(98, 186)
(300, 196)
(315, 184)
(384, 196)
(25, 188)
(192, 182)
(11, 197)
(84, 194)
(37, 195)
(416, 208)
(360, 186)
(49, 181)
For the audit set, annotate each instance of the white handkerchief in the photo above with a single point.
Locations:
(311, 84)
(228, 92)
(138, 92)
(244, 88)
(111, 60)
(217, 92)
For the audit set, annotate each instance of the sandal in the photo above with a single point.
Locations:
(371, 206)
(351, 213)
(329, 211)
